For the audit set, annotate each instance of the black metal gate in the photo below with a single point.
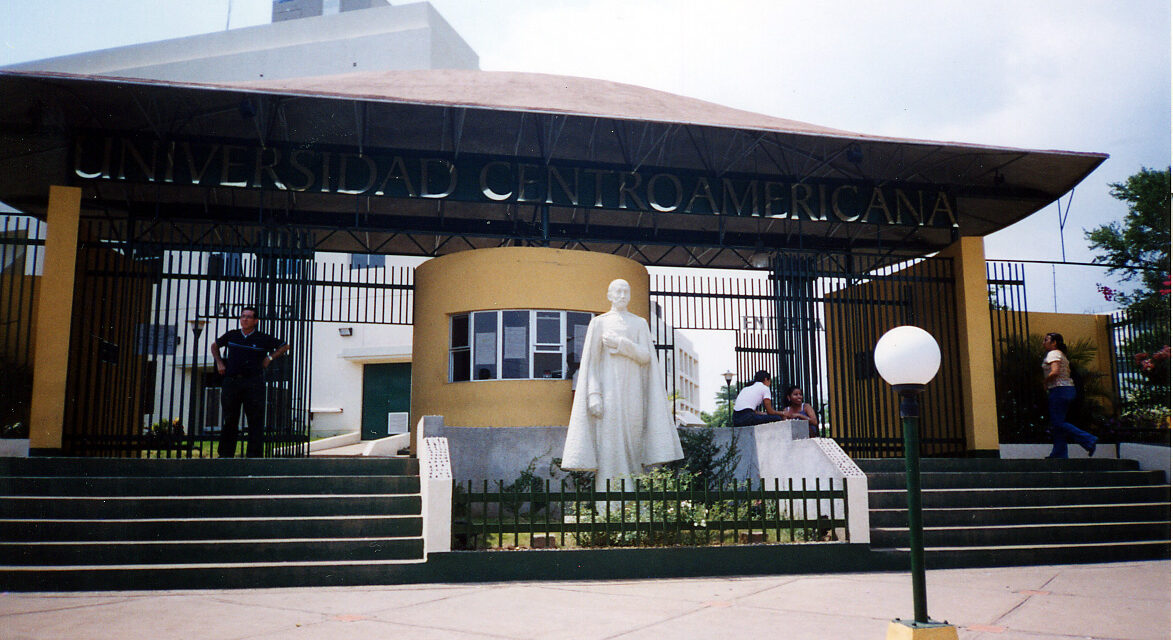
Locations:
(1022, 414)
(1139, 342)
(813, 320)
(150, 298)
(22, 241)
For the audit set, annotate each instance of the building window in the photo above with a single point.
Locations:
(226, 264)
(459, 356)
(516, 344)
(367, 261)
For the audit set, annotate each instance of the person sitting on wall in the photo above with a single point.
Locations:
(796, 409)
(250, 352)
(757, 394)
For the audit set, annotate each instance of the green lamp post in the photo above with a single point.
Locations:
(908, 358)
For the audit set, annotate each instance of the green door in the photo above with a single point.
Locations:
(386, 388)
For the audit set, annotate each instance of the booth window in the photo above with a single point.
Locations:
(367, 261)
(516, 344)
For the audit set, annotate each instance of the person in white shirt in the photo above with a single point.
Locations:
(1060, 395)
(750, 398)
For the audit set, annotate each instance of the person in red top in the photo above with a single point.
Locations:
(250, 352)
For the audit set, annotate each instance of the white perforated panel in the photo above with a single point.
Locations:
(841, 460)
(434, 458)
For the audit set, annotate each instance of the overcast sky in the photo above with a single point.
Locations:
(1062, 74)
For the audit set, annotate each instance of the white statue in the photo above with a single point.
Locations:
(619, 421)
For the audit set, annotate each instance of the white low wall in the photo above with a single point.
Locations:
(781, 450)
(786, 453)
(334, 442)
(389, 446)
(14, 447)
(1150, 456)
(435, 488)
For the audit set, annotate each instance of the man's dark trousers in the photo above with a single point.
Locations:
(247, 392)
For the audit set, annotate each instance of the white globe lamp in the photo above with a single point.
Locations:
(907, 356)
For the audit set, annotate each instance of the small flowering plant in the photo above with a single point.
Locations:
(164, 429)
(1154, 366)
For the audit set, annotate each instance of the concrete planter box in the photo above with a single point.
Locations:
(14, 447)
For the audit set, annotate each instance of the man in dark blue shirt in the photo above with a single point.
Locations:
(250, 352)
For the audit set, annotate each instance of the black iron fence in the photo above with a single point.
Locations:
(652, 512)
(813, 320)
(1019, 398)
(149, 302)
(1140, 374)
(22, 241)
(1127, 402)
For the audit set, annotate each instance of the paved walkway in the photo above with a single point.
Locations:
(1117, 601)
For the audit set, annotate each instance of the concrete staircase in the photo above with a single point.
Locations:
(100, 523)
(992, 512)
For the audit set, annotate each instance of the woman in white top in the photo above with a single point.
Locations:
(1060, 395)
(748, 400)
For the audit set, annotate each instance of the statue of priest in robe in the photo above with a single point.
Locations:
(620, 421)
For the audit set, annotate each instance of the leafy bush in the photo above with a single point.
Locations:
(704, 459)
(1022, 401)
(663, 519)
(16, 392)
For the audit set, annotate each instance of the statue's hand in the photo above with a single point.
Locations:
(595, 405)
(611, 342)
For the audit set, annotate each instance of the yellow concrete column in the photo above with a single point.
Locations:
(54, 314)
(977, 352)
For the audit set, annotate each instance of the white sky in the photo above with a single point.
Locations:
(1045, 74)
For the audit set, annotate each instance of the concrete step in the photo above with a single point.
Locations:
(244, 575)
(971, 465)
(106, 507)
(210, 551)
(244, 467)
(126, 486)
(1015, 497)
(956, 480)
(1043, 554)
(1009, 535)
(990, 512)
(978, 516)
(43, 530)
(134, 523)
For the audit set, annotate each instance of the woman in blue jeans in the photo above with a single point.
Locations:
(1060, 395)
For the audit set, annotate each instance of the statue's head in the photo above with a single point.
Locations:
(619, 293)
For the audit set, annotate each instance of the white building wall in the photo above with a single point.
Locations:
(338, 360)
(412, 36)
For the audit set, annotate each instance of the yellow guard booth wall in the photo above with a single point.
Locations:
(505, 278)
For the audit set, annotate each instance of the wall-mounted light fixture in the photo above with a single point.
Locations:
(345, 332)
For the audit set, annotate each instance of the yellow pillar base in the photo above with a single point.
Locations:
(912, 630)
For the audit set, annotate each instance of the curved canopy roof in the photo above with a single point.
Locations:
(524, 118)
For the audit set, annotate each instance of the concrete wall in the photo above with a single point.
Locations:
(337, 369)
(779, 450)
(1076, 327)
(977, 351)
(412, 36)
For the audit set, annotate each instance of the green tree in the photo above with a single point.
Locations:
(720, 416)
(1138, 247)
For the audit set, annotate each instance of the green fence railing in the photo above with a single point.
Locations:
(647, 513)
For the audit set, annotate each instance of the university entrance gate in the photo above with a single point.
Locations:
(813, 320)
(195, 199)
(152, 295)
